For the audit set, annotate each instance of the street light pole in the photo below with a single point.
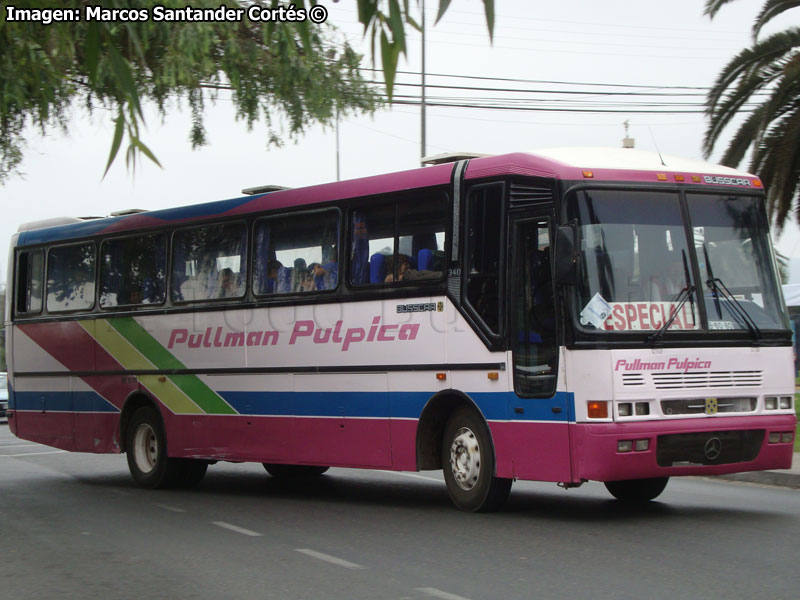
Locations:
(422, 100)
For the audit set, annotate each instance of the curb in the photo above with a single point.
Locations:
(789, 478)
(778, 478)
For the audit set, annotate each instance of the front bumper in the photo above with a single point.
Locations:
(709, 446)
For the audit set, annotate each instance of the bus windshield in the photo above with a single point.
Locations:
(638, 267)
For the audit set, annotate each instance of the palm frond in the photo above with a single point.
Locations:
(752, 59)
(713, 6)
(748, 133)
(777, 162)
(770, 10)
(752, 70)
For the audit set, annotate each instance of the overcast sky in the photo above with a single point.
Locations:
(644, 43)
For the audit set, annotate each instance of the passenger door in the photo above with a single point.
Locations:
(541, 413)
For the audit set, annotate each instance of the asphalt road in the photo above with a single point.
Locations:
(75, 526)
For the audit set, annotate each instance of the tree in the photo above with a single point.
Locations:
(302, 71)
(767, 74)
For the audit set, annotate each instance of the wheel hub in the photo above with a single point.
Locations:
(145, 448)
(465, 458)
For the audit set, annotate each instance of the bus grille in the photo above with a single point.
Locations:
(706, 379)
(697, 406)
(708, 448)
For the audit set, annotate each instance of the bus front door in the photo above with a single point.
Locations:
(540, 413)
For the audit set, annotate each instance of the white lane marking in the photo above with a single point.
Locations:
(434, 593)
(241, 530)
(169, 508)
(414, 475)
(20, 445)
(329, 559)
(31, 454)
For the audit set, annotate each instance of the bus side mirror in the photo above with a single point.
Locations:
(566, 257)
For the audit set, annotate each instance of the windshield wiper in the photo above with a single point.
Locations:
(686, 294)
(735, 307)
(683, 297)
(711, 279)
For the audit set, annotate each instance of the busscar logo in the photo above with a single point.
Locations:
(727, 180)
(423, 307)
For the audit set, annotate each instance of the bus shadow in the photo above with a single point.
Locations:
(367, 489)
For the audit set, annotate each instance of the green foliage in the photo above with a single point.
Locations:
(766, 75)
(299, 73)
(272, 69)
(387, 20)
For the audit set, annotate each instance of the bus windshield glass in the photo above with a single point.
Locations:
(637, 265)
(733, 250)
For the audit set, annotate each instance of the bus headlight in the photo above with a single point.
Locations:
(786, 402)
(770, 403)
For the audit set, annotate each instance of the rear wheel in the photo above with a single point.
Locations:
(637, 490)
(146, 446)
(469, 464)
(287, 471)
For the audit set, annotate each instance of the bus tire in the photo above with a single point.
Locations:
(146, 447)
(288, 471)
(637, 490)
(188, 472)
(468, 463)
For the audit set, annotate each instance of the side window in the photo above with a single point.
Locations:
(398, 242)
(209, 262)
(30, 280)
(70, 277)
(484, 223)
(133, 271)
(297, 254)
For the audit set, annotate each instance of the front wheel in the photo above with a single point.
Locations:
(637, 490)
(469, 464)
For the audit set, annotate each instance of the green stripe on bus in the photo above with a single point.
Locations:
(191, 385)
(113, 342)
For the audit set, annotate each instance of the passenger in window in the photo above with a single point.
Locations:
(323, 277)
(299, 275)
(271, 284)
(405, 272)
(131, 295)
(306, 279)
(227, 283)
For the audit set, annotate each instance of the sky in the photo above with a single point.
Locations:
(584, 45)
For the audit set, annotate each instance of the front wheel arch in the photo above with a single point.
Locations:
(431, 424)
(135, 401)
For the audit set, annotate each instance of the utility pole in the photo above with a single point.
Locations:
(338, 172)
(423, 151)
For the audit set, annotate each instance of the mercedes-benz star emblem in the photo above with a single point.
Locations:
(713, 448)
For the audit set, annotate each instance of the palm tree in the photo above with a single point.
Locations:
(766, 75)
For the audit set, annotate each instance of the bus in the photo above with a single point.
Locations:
(568, 315)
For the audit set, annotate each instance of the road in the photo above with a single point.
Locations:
(75, 526)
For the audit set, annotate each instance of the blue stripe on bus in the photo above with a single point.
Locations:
(495, 406)
(409, 405)
(74, 230)
(61, 402)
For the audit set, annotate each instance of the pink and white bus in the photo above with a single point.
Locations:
(565, 316)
